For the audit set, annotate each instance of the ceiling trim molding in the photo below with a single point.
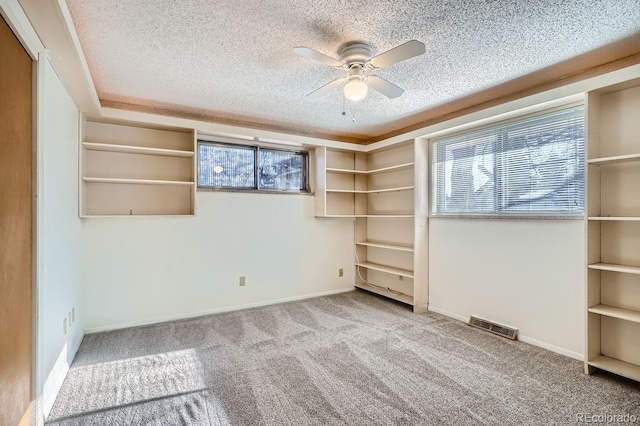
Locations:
(562, 94)
(17, 20)
(52, 22)
(79, 53)
(538, 87)
(225, 130)
(229, 122)
(601, 61)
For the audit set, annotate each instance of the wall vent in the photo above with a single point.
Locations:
(492, 327)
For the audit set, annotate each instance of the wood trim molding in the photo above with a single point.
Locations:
(616, 56)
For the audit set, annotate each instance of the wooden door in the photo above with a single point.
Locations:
(15, 229)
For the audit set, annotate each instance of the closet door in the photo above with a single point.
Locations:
(15, 228)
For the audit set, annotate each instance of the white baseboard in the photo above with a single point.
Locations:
(448, 314)
(37, 413)
(552, 348)
(212, 311)
(522, 338)
(54, 380)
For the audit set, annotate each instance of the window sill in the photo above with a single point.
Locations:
(500, 217)
(252, 191)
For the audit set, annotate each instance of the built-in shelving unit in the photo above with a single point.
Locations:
(616, 218)
(384, 192)
(399, 247)
(625, 269)
(397, 167)
(613, 231)
(387, 269)
(128, 170)
(371, 191)
(136, 149)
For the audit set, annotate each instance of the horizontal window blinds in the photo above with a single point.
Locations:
(533, 166)
(226, 166)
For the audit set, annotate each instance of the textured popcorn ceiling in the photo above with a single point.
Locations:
(232, 60)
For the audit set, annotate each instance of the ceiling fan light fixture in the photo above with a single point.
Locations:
(355, 90)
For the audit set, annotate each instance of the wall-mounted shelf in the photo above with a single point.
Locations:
(614, 312)
(616, 366)
(404, 166)
(399, 247)
(387, 269)
(616, 218)
(136, 181)
(371, 191)
(400, 297)
(136, 171)
(615, 159)
(368, 215)
(131, 149)
(615, 268)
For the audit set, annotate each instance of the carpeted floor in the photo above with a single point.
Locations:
(349, 359)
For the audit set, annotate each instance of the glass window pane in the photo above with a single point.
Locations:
(281, 170)
(226, 166)
(532, 166)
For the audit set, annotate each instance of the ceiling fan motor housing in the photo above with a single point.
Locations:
(355, 53)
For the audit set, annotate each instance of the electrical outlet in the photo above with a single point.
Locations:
(64, 325)
(242, 281)
(73, 314)
(341, 272)
(400, 277)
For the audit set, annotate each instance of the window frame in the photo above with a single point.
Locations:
(256, 170)
(501, 214)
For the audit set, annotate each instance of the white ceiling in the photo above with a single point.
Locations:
(232, 61)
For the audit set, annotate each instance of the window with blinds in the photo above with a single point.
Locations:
(532, 167)
(240, 167)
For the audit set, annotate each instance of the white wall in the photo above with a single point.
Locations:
(137, 270)
(524, 273)
(59, 231)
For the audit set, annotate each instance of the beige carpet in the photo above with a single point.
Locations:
(349, 359)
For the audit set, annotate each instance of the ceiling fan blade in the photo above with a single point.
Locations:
(398, 54)
(312, 54)
(324, 89)
(390, 90)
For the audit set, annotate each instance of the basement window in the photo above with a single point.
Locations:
(532, 166)
(224, 166)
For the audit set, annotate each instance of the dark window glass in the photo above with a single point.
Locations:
(253, 168)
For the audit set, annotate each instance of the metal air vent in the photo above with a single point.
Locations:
(492, 327)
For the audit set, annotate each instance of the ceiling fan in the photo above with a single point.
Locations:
(356, 58)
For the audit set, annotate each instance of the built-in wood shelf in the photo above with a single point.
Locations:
(399, 247)
(136, 181)
(129, 149)
(398, 167)
(616, 268)
(615, 159)
(401, 297)
(616, 366)
(368, 215)
(387, 269)
(616, 218)
(371, 191)
(612, 311)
